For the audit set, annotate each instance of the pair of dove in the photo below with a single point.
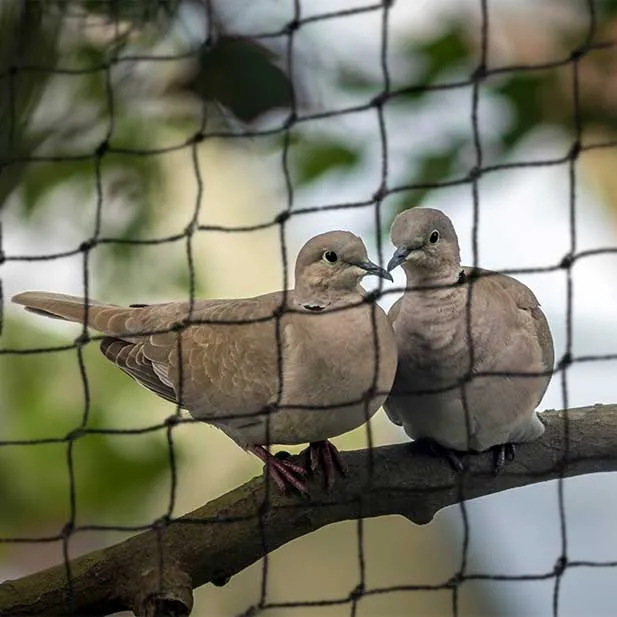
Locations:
(319, 360)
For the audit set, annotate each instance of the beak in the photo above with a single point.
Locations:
(400, 255)
(372, 268)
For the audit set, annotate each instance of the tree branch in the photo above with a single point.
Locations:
(153, 573)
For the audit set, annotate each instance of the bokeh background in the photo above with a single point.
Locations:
(288, 117)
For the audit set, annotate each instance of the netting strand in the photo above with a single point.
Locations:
(386, 188)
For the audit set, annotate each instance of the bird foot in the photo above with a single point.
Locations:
(502, 453)
(285, 473)
(452, 456)
(322, 454)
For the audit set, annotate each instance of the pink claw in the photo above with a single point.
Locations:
(322, 454)
(284, 472)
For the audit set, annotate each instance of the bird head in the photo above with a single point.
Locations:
(337, 261)
(426, 244)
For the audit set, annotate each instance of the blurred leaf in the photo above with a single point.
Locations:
(135, 11)
(351, 79)
(444, 53)
(431, 168)
(606, 9)
(321, 157)
(41, 396)
(28, 37)
(103, 463)
(41, 178)
(523, 91)
(134, 177)
(241, 75)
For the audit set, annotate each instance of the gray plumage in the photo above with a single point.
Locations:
(230, 369)
(509, 335)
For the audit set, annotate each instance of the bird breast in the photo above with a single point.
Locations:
(431, 335)
(343, 358)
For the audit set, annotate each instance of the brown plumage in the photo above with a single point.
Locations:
(229, 374)
(509, 335)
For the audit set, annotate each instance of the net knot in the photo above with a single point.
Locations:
(567, 261)
(278, 312)
(162, 521)
(76, 434)
(358, 592)
(180, 326)
(478, 73)
(172, 421)
(372, 296)
(282, 217)
(191, 228)
(560, 565)
(380, 99)
(380, 194)
(292, 26)
(566, 360)
(82, 339)
(475, 173)
(102, 148)
(370, 393)
(268, 409)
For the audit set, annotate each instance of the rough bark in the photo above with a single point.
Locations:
(154, 573)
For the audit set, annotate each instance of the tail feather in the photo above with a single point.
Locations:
(102, 317)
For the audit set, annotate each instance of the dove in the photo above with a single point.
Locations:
(219, 359)
(509, 336)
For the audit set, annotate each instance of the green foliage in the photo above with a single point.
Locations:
(523, 92)
(427, 63)
(237, 73)
(242, 75)
(606, 9)
(41, 397)
(533, 99)
(445, 53)
(42, 178)
(28, 37)
(317, 158)
(430, 169)
(135, 11)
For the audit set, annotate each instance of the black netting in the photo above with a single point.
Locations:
(483, 165)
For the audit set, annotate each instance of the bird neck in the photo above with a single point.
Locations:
(447, 276)
(316, 298)
(433, 301)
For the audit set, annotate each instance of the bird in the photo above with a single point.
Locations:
(281, 368)
(455, 326)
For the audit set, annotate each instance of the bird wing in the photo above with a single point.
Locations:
(229, 349)
(525, 300)
(131, 359)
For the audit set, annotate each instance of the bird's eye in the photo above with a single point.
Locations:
(330, 256)
(434, 237)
